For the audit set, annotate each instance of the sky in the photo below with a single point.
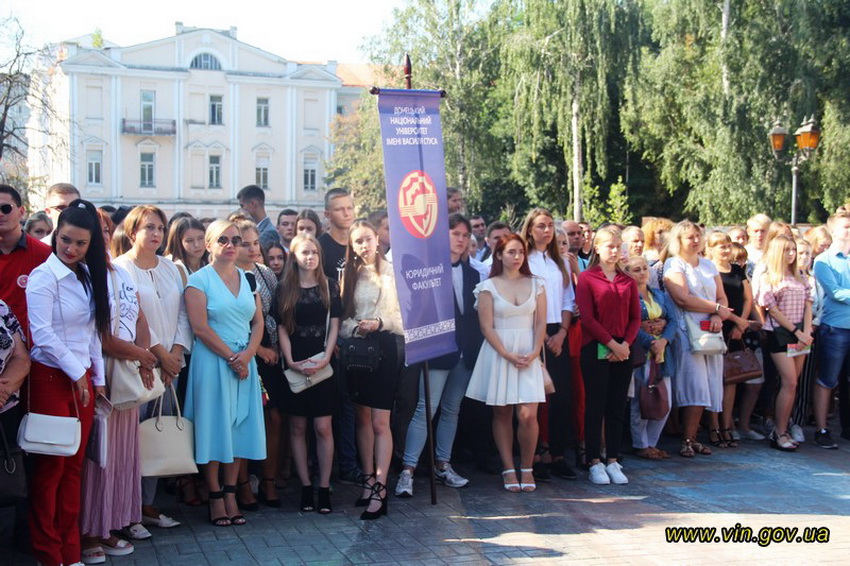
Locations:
(302, 30)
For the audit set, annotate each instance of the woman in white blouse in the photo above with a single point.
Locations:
(546, 262)
(371, 309)
(160, 286)
(68, 305)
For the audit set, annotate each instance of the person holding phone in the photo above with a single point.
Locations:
(695, 286)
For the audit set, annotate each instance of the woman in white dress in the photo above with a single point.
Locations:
(509, 373)
(160, 286)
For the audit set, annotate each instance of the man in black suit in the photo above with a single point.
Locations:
(449, 374)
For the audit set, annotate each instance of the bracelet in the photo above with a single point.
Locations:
(380, 323)
(717, 308)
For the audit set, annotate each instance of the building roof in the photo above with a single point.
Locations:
(357, 74)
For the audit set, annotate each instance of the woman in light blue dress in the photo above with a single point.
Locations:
(223, 396)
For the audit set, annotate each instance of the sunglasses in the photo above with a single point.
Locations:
(224, 240)
(6, 208)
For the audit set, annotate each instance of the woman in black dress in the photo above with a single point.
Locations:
(305, 328)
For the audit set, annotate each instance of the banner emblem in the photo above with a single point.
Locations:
(417, 204)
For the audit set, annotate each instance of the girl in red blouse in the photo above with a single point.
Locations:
(609, 306)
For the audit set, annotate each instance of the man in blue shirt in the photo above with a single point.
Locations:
(832, 272)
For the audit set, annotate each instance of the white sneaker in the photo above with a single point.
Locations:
(752, 435)
(450, 477)
(598, 475)
(404, 487)
(797, 434)
(615, 472)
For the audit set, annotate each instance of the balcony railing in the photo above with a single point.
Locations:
(149, 127)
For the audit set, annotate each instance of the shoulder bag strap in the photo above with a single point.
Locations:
(328, 315)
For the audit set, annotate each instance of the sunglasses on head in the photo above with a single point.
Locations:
(6, 208)
(224, 240)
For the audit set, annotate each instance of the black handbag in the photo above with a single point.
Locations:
(13, 478)
(360, 354)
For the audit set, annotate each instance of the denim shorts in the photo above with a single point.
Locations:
(834, 349)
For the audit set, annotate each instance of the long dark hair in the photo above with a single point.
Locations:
(498, 266)
(289, 290)
(552, 248)
(83, 214)
(353, 263)
(174, 244)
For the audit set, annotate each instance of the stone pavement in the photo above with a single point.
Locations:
(563, 522)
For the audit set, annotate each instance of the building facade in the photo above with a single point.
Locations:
(184, 122)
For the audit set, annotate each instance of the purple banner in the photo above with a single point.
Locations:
(415, 172)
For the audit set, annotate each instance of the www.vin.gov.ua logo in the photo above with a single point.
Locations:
(417, 204)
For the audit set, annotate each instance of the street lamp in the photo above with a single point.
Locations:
(808, 136)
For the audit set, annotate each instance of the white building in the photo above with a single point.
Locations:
(184, 122)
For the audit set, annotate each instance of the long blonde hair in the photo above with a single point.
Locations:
(776, 266)
(289, 290)
(604, 234)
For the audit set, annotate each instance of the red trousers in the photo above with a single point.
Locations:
(55, 481)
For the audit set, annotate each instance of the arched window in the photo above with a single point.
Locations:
(206, 62)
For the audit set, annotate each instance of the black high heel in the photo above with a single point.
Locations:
(379, 493)
(261, 495)
(307, 504)
(238, 519)
(364, 501)
(253, 506)
(224, 520)
(324, 503)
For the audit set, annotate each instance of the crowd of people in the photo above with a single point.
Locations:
(284, 345)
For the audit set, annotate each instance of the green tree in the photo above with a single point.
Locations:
(561, 60)
(357, 163)
(454, 46)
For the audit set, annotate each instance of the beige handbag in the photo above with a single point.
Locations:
(126, 388)
(167, 443)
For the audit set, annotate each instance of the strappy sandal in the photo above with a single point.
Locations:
(687, 449)
(729, 438)
(527, 487)
(513, 487)
(648, 454)
(237, 519)
(782, 442)
(364, 501)
(715, 437)
(224, 520)
(700, 448)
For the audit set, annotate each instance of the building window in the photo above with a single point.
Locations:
(148, 105)
(311, 166)
(147, 162)
(261, 170)
(94, 166)
(215, 171)
(262, 111)
(216, 110)
(205, 62)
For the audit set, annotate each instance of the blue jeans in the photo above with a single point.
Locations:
(448, 388)
(834, 348)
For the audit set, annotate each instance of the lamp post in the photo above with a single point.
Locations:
(808, 136)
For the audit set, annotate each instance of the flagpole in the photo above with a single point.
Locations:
(426, 382)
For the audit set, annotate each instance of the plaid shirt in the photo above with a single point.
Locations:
(790, 297)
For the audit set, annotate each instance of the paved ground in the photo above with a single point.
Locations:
(563, 522)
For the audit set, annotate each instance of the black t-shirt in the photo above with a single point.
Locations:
(733, 286)
(333, 257)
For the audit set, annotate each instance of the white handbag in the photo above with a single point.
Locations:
(702, 341)
(51, 435)
(167, 443)
(126, 388)
(298, 381)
